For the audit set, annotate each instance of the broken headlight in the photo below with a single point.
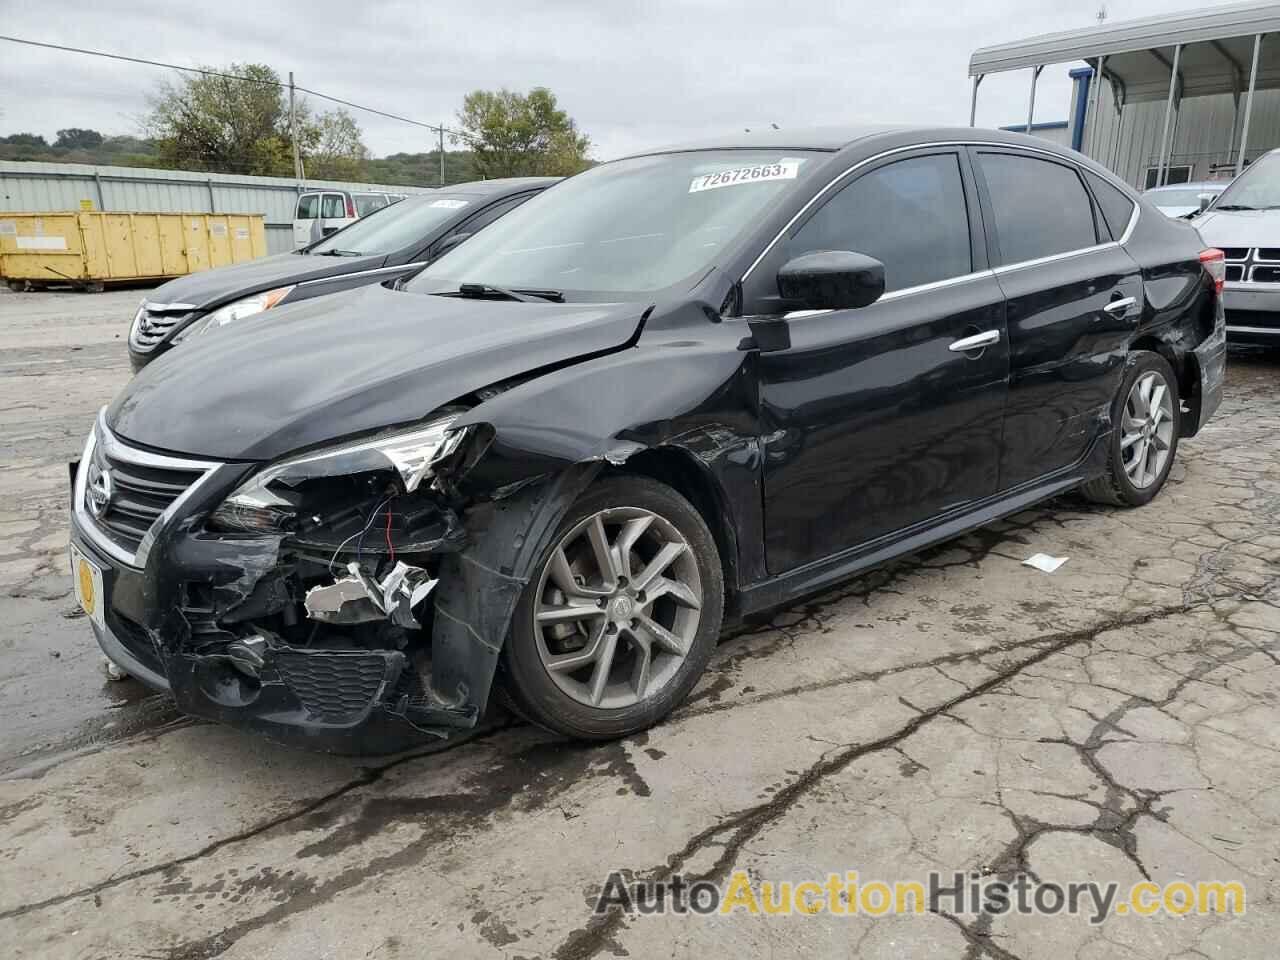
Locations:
(269, 501)
(236, 310)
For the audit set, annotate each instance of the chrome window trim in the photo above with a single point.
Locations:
(119, 451)
(1014, 148)
(358, 273)
(1238, 328)
(904, 292)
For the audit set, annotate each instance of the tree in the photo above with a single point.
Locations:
(238, 122)
(78, 138)
(333, 148)
(517, 135)
(25, 140)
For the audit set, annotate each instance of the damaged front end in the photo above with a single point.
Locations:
(351, 598)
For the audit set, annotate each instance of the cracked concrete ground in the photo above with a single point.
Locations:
(1117, 720)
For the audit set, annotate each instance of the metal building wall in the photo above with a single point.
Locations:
(35, 187)
(1206, 135)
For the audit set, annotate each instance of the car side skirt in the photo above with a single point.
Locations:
(811, 578)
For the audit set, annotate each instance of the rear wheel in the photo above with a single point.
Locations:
(1144, 435)
(621, 616)
(17, 286)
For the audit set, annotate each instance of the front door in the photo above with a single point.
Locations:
(873, 421)
(1074, 297)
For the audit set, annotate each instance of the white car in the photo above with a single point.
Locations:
(322, 212)
(1244, 222)
(1184, 199)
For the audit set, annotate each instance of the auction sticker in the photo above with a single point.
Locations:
(758, 173)
(449, 204)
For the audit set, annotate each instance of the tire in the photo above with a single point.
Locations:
(1127, 484)
(536, 665)
(17, 286)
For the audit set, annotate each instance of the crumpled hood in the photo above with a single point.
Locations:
(347, 364)
(210, 288)
(1240, 228)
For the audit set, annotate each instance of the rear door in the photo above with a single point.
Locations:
(336, 211)
(872, 422)
(1074, 299)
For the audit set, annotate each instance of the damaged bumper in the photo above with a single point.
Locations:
(341, 700)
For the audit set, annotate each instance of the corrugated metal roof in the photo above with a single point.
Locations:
(1133, 36)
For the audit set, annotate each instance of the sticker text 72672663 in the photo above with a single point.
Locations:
(756, 173)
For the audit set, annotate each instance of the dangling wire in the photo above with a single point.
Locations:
(390, 546)
(372, 517)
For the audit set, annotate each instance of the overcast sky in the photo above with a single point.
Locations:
(631, 74)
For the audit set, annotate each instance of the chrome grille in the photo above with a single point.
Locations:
(155, 321)
(1253, 264)
(122, 493)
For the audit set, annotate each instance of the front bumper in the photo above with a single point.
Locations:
(1253, 312)
(339, 701)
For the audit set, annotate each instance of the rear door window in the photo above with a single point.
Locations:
(334, 206)
(1041, 208)
(308, 206)
(1117, 209)
(910, 215)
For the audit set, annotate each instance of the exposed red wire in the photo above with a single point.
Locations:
(391, 549)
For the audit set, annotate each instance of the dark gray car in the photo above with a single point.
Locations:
(384, 245)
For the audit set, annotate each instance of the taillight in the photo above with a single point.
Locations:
(1214, 262)
(351, 212)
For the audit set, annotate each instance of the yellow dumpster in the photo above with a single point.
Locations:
(90, 248)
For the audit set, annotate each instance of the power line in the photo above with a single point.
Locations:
(231, 76)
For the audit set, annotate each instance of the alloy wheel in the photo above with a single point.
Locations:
(618, 605)
(1146, 435)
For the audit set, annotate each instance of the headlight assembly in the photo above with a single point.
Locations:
(236, 310)
(269, 501)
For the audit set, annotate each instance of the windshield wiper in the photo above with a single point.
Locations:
(481, 290)
(340, 253)
(1234, 206)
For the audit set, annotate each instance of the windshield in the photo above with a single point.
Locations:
(1258, 188)
(1179, 198)
(395, 227)
(625, 229)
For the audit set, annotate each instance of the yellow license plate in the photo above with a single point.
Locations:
(87, 578)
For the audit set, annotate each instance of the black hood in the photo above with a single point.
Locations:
(211, 288)
(347, 364)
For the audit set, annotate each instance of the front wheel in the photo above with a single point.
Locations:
(621, 615)
(1144, 434)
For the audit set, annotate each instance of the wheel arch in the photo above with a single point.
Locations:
(683, 472)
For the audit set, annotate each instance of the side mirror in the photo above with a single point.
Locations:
(450, 242)
(1205, 200)
(831, 280)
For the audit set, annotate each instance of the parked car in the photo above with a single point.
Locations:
(1244, 222)
(320, 213)
(675, 390)
(1185, 199)
(387, 244)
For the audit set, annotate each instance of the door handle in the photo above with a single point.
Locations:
(1117, 307)
(979, 341)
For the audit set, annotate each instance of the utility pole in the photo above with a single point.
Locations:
(293, 134)
(441, 132)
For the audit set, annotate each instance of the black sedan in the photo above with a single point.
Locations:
(674, 390)
(382, 246)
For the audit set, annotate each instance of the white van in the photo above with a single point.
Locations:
(323, 212)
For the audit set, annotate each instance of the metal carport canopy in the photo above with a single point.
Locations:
(1139, 53)
(1170, 57)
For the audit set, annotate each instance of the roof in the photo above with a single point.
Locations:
(794, 138)
(488, 188)
(1140, 52)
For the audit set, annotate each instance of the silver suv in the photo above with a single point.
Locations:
(1244, 222)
